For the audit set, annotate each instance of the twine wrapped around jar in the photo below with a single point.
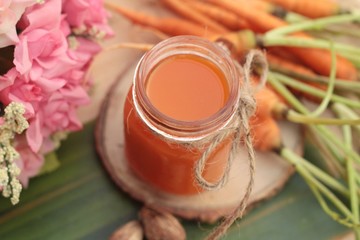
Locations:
(246, 108)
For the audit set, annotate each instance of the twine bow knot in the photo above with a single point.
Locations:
(246, 108)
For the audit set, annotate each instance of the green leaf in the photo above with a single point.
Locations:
(51, 163)
(80, 201)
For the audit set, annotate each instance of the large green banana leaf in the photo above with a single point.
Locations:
(79, 201)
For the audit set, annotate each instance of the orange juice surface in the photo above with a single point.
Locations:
(186, 88)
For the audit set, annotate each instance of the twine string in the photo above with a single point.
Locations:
(246, 109)
(200, 164)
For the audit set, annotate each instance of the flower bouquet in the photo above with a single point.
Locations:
(46, 48)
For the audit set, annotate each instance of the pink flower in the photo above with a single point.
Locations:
(29, 162)
(50, 63)
(49, 75)
(8, 79)
(10, 13)
(83, 55)
(12, 89)
(87, 16)
(42, 43)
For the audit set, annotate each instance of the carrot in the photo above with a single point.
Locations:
(259, 5)
(167, 25)
(237, 42)
(226, 18)
(317, 59)
(269, 103)
(264, 130)
(189, 13)
(278, 62)
(320, 61)
(310, 8)
(284, 53)
(260, 21)
(266, 134)
(268, 7)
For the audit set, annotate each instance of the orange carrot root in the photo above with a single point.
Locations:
(260, 21)
(320, 61)
(268, 102)
(169, 26)
(226, 18)
(266, 134)
(310, 8)
(260, 5)
(279, 62)
(184, 10)
(284, 54)
(237, 42)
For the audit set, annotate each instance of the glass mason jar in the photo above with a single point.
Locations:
(161, 150)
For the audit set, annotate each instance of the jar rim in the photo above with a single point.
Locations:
(167, 125)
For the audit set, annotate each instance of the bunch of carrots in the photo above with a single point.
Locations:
(302, 66)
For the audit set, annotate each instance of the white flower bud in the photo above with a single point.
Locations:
(15, 122)
(4, 178)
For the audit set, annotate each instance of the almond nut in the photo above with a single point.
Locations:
(161, 225)
(130, 231)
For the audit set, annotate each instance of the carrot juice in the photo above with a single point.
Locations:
(177, 99)
(197, 90)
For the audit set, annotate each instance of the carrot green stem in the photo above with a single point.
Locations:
(332, 163)
(276, 40)
(335, 151)
(312, 90)
(346, 112)
(300, 118)
(330, 140)
(297, 105)
(334, 215)
(322, 176)
(340, 30)
(293, 18)
(314, 24)
(353, 187)
(337, 142)
(330, 89)
(293, 158)
(339, 83)
(327, 135)
(357, 177)
(351, 175)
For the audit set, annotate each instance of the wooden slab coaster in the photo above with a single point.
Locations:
(271, 171)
